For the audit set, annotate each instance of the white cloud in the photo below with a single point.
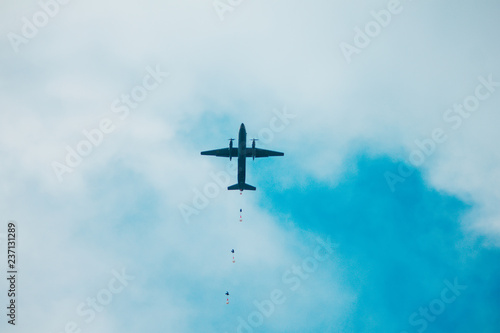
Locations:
(263, 56)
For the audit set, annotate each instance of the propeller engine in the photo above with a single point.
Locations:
(230, 149)
(253, 148)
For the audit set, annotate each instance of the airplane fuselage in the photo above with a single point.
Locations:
(242, 153)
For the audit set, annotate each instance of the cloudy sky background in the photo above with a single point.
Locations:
(353, 123)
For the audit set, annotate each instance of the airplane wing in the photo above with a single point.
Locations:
(263, 153)
(223, 152)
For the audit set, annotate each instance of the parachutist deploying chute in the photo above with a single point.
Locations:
(227, 299)
(232, 251)
(241, 215)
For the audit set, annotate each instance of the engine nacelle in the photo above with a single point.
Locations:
(253, 149)
(230, 149)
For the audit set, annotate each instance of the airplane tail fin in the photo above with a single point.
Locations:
(245, 187)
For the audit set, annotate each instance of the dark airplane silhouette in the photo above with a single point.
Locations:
(242, 152)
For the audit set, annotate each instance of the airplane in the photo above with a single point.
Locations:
(242, 152)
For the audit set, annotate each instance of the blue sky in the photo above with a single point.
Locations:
(381, 217)
(398, 249)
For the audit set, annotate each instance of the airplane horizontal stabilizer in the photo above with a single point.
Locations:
(245, 187)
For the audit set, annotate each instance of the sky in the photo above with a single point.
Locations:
(382, 216)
